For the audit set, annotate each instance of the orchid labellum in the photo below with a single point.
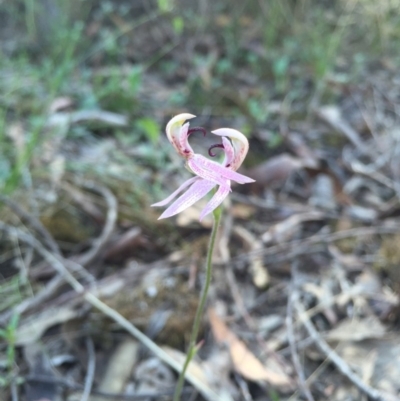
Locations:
(208, 173)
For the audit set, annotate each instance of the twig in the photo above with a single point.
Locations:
(33, 222)
(14, 391)
(75, 386)
(244, 388)
(30, 303)
(90, 369)
(59, 266)
(109, 226)
(302, 244)
(291, 339)
(330, 354)
(55, 283)
(75, 265)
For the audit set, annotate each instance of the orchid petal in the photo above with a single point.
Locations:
(176, 193)
(183, 140)
(212, 171)
(177, 133)
(197, 191)
(229, 152)
(239, 142)
(215, 201)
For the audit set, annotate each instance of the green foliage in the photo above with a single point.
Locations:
(16, 153)
(9, 336)
(178, 24)
(165, 5)
(150, 128)
(257, 110)
(275, 140)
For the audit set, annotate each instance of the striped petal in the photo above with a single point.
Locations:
(239, 142)
(197, 191)
(229, 152)
(176, 193)
(212, 171)
(215, 201)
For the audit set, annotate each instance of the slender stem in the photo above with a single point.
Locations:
(199, 313)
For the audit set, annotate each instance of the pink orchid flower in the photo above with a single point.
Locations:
(208, 174)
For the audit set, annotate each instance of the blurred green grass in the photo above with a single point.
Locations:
(99, 52)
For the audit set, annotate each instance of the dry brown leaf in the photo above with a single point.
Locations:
(250, 367)
(357, 330)
(244, 361)
(119, 368)
(219, 329)
(274, 172)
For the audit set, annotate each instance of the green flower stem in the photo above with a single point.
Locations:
(200, 309)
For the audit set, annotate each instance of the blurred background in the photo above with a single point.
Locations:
(242, 62)
(86, 88)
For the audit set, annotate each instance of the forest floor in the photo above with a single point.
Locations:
(304, 301)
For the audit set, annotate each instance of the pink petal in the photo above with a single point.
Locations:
(212, 171)
(186, 149)
(215, 201)
(229, 152)
(177, 131)
(175, 193)
(197, 191)
(239, 142)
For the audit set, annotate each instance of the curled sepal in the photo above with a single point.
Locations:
(177, 133)
(210, 149)
(228, 151)
(239, 142)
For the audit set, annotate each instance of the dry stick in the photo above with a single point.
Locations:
(58, 265)
(90, 369)
(292, 342)
(14, 391)
(109, 226)
(82, 260)
(330, 354)
(101, 394)
(55, 283)
(33, 222)
(315, 239)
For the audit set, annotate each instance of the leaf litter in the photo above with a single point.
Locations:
(318, 229)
